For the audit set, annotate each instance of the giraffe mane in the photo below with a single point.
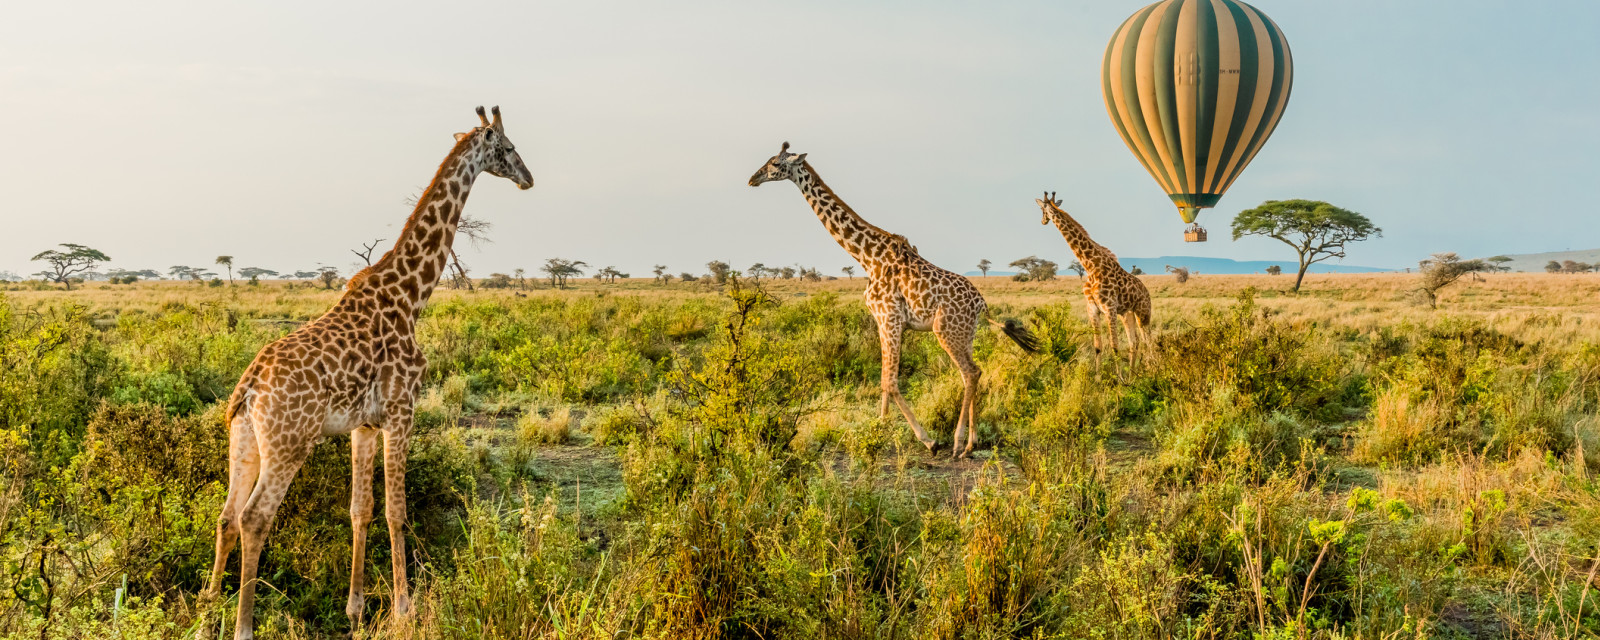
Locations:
(847, 208)
(428, 194)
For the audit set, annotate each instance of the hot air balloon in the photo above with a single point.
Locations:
(1195, 87)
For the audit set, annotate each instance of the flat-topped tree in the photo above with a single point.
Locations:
(1317, 230)
(356, 370)
(255, 274)
(227, 261)
(1441, 271)
(560, 269)
(1033, 269)
(65, 264)
(719, 270)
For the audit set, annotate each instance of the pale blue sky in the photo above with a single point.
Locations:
(286, 133)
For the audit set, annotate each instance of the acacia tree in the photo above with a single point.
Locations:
(983, 267)
(1441, 270)
(719, 270)
(661, 271)
(65, 264)
(849, 271)
(559, 269)
(1034, 269)
(1076, 267)
(1552, 267)
(1499, 263)
(1181, 273)
(227, 261)
(1317, 230)
(329, 277)
(1274, 270)
(255, 273)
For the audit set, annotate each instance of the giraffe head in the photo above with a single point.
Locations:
(1049, 206)
(784, 166)
(500, 156)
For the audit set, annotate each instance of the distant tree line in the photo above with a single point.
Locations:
(1569, 266)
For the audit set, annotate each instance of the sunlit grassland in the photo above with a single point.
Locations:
(694, 460)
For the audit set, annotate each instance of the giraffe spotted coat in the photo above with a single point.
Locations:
(355, 370)
(1109, 291)
(904, 291)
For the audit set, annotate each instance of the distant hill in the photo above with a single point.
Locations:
(1220, 266)
(1534, 262)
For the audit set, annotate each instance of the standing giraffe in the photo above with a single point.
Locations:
(356, 370)
(1110, 291)
(904, 291)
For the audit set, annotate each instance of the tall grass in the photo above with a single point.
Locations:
(705, 462)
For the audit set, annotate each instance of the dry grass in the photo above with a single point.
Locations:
(546, 427)
(1107, 488)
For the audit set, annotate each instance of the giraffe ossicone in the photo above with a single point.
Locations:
(904, 291)
(356, 370)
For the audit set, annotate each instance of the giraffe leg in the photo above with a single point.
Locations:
(889, 334)
(244, 466)
(1094, 326)
(958, 345)
(969, 404)
(363, 447)
(278, 469)
(396, 438)
(1128, 322)
(961, 429)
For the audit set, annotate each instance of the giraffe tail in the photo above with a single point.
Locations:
(240, 392)
(1018, 334)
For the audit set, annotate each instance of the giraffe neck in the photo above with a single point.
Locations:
(1088, 251)
(863, 240)
(420, 253)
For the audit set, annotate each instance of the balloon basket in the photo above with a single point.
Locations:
(1194, 233)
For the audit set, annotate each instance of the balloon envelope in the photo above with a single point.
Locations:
(1195, 87)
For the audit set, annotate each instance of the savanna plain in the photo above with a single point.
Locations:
(694, 460)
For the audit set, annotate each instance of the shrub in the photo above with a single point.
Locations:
(540, 427)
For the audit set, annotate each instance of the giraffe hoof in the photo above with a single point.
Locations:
(933, 448)
(354, 608)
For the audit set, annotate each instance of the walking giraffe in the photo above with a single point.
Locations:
(904, 291)
(356, 370)
(1108, 290)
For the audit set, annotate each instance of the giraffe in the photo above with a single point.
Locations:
(357, 370)
(904, 291)
(1108, 290)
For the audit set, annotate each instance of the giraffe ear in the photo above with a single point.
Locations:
(800, 158)
(460, 137)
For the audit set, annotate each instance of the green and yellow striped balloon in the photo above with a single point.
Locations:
(1195, 87)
